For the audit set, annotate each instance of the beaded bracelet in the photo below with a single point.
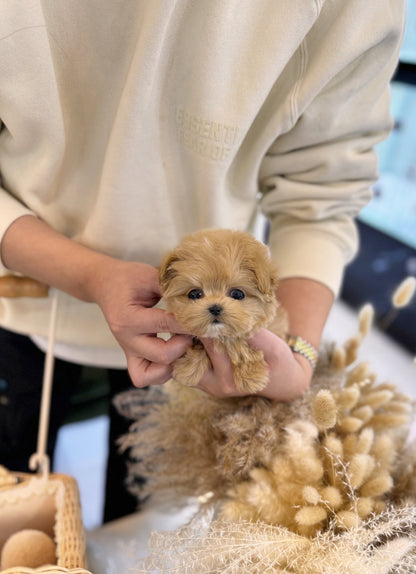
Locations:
(299, 345)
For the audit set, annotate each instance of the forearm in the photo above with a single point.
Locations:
(34, 249)
(126, 292)
(307, 303)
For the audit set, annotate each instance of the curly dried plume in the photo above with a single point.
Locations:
(382, 545)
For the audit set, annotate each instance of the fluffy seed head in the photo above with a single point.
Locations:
(325, 410)
(404, 293)
(310, 515)
(366, 317)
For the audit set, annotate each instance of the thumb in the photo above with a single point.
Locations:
(154, 320)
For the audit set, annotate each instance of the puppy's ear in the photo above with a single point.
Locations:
(266, 277)
(167, 271)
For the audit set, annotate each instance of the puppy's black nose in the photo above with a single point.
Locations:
(215, 310)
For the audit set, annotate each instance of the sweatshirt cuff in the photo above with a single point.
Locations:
(308, 255)
(11, 209)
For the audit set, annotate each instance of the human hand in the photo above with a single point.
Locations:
(126, 293)
(290, 374)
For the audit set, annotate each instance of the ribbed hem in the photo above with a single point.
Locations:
(310, 255)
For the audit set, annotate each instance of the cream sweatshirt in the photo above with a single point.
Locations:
(126, 124)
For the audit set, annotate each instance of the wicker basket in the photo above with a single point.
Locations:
(43, 501)
(49, 503)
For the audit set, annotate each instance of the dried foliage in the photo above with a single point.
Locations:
(203, 444)
(326, 483)
(383, 544)
(404, 293)
(335, 453)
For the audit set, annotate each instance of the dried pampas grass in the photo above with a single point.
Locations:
(382, 545)
(324, 484)
(404, 293)
(333, 454)
(401, 297)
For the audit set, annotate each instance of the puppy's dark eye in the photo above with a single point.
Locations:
(236, 294)
(195, 294)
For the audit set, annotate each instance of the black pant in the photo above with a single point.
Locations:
(21, 375)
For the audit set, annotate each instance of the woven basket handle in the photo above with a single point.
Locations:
(13, 286)
(45, 570)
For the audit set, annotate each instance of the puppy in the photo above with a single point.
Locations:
(221, 284)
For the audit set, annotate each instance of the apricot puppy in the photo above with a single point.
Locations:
(221, 284)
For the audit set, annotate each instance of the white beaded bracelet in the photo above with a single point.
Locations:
(301, 346)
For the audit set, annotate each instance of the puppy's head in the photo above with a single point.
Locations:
(219, 284)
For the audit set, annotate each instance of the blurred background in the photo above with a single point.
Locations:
(388, 224)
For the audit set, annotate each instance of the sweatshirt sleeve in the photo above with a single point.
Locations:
(317, 176)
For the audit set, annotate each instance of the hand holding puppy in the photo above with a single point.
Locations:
(289, 374)
(126, 293)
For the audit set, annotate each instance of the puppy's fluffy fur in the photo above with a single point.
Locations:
(221, 284)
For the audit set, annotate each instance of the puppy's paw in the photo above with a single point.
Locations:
(251, 376)
(190, 368)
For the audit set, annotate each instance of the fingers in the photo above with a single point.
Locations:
(151, 363)
(149, 357)
(288, 378)
(153, 320)
(144, 373)
(267, 342)
(128, 303)
(290, 373)
(218, 381)
(275, 350)
(157, 350)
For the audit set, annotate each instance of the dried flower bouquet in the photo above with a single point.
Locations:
(323, 484)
